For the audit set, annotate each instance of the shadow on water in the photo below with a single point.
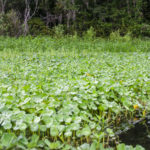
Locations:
(138, 135)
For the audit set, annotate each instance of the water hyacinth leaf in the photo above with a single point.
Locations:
(92, 125)
(54, 131)
(79, 133)
(42, 128)
(74, 126)
(8, 139)
(22, 126)
(21, 146)
(7, 124)
(67, 147)
(36, 119)
(86, 131)
(61, 128)
(60, 118)
(53, 145)
(47, 142)
(48, 121)
(34, 141)
(110, 132)
(77, 120)
(68, 120)
(28, 118)
(41, 143)
(68, 133)
(138, 147)
(129, 147)
(85, 146)
(121, 147)
(101, 146)
(34, 127)
(22, 139)
(93, 146)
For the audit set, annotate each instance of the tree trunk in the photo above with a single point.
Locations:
(3, 4)
(68, 19)
(128, 7)
(26, 27)
(60, 19)
(28, 16)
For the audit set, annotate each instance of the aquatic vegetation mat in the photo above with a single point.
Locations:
(71, 101)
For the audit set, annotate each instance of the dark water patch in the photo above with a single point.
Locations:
(138, 135)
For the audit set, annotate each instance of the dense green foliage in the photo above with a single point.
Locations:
(105, 16)
(71, 93)
(74, 44)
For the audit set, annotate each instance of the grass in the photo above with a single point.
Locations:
(71, 93)
(73, 44)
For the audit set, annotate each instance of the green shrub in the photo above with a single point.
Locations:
(90, 33)
(140, 30)
(10, 24)
(3, 25)
(58, 30)
(38, 27)
(75, 35)
(115, 36)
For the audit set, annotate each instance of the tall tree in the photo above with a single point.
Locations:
(3, 4)
(28, 15)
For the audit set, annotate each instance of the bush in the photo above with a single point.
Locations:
(90, 33)
(140, 30)
(58, 30)
(38, 27)
(3, 25)
(115, 36)
(10, 24)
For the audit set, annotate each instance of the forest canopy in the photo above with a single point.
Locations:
(45, 17)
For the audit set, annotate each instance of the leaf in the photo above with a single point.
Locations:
(53, 145)
(77, 120)
(22, 126)
(34, 127)
(34, 141)
(22, 139)
(93, 146)
(7, 124)
(101, 147)
(36, 120)
(74, 126)
(61, 128)
(28, 118)
(47, 142)
(48, 121)
(42, 128)
(138, 147)
(68, 120)
(86, 131)
(85, 146)
(110, 132)
(68, 133)
(8, 139)
(54, 131)
(121, 147)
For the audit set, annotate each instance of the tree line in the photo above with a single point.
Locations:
(23, 17)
